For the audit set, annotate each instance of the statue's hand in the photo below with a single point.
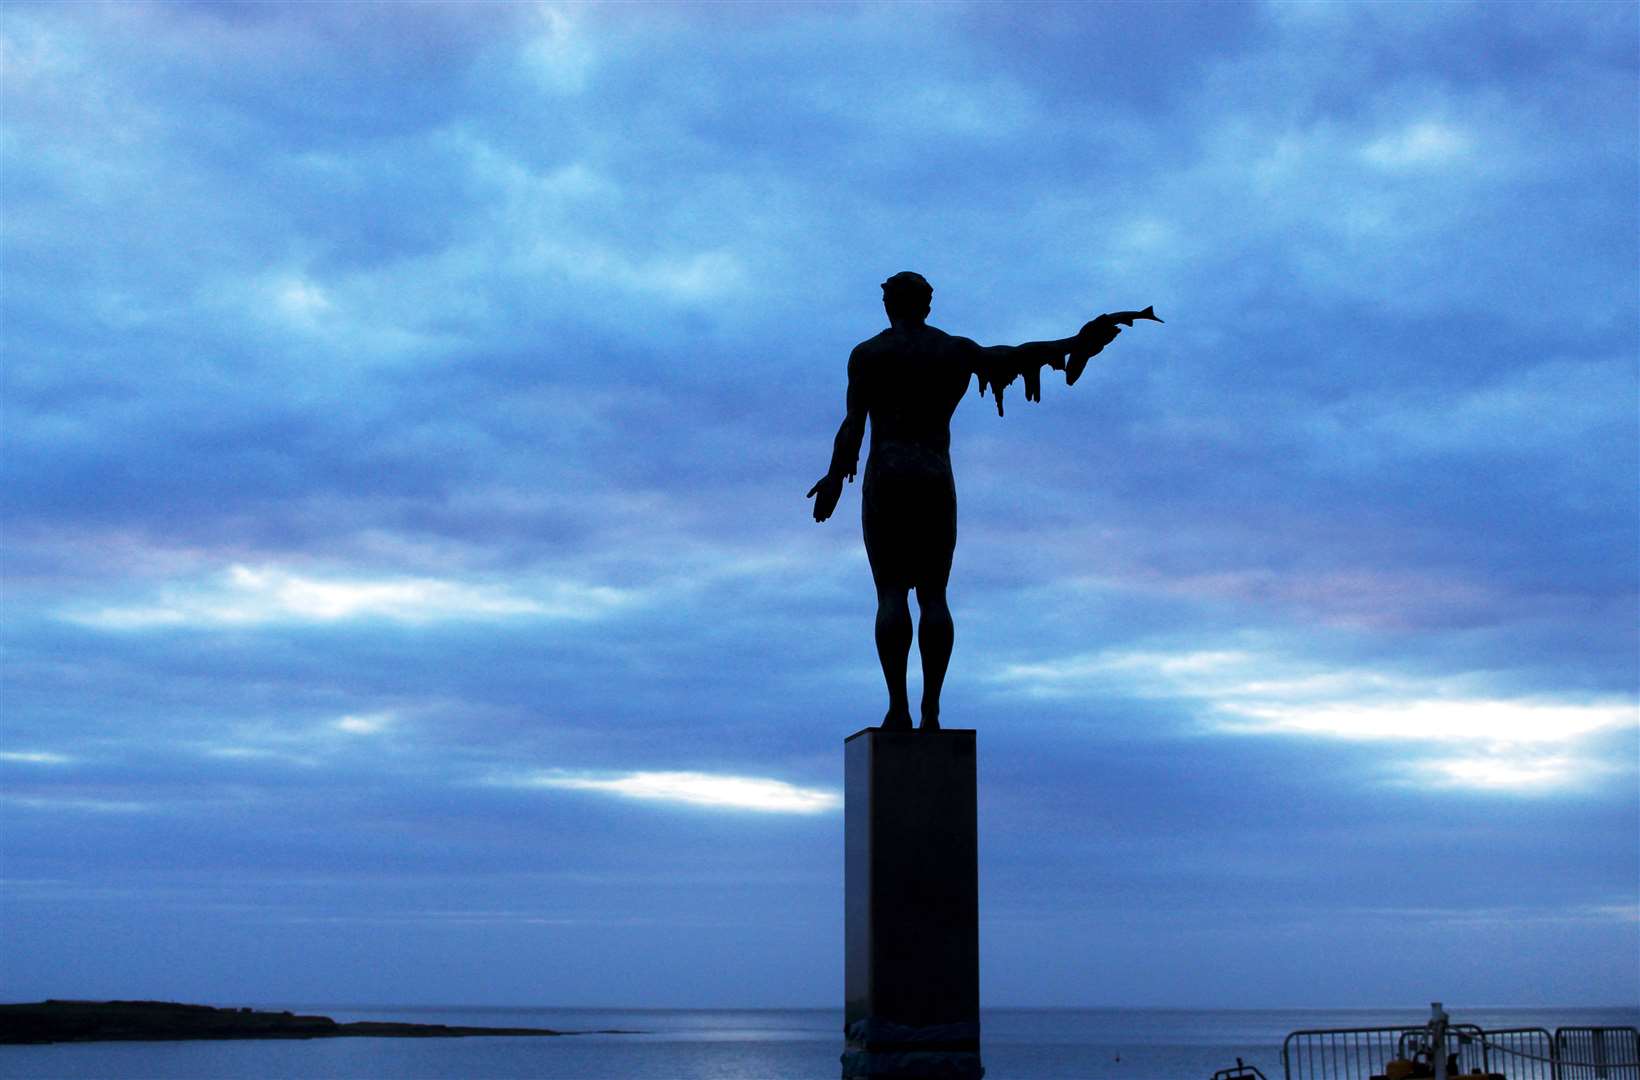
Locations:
(825, 493)
(1088, 343)
(1097, 334)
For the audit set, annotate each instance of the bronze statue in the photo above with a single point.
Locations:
(908, 381)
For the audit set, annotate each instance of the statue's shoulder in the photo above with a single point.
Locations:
(879, 344)
(890, 338)
(889, 343)
(953, 344)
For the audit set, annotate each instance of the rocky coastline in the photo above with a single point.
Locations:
(57, 1021)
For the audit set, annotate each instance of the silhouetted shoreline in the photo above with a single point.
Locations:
(112, 1021)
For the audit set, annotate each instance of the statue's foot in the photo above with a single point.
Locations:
(897, 720)
(930, 721)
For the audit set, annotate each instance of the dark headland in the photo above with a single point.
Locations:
(109, 1021)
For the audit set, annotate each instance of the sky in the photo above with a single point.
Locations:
(410, 594)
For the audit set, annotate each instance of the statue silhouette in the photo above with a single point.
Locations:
(908, 381)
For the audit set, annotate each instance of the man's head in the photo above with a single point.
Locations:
(907, 296)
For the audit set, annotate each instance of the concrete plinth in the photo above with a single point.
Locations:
(911, 853)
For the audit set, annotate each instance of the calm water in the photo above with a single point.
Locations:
(752, 1044)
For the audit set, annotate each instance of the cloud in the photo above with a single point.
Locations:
(1508, 771)
(365, 725)
(558, 53)
(1422, 143)
(301, 300)
(291, 736)
(1508, 722)
(1467, 740)
(1487, 745)
(239, 753)
(1500, 916)
(76, 804)
(35, 757)
(700, 789)
(247, 596)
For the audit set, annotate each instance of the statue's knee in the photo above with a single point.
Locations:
(893, 611)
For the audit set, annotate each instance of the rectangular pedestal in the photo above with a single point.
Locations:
(911, 854)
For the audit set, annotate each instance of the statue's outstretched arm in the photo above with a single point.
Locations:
(845, 450)
(999, 365)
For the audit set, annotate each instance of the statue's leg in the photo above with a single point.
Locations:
(935, 634)
(934, 630)
(893, 650)
(885, 535)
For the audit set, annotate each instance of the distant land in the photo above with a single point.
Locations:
(112, 1021)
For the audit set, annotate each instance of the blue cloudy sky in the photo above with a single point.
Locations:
(410, 594)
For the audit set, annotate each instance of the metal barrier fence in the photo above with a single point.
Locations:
(1514, 1053)
(1320, 1054)
(1593, 1053)
(1527, 1053)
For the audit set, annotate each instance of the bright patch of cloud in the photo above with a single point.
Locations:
(462, 918)
(1149, 235)
(1208, 673)
(1513, 916)
(77, 805)
(559, 56)
(1079, 667)
(301, 299)
(701, 789)
(257, 753)
(254, 595)
(1476, 741)
(1627, 913)
(1424, 143)
(365, 725)
(685, 277)
(1456, 721)
(34, 757)
(302, 742)
(1501, 772)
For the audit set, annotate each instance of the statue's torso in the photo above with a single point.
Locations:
(913, 380)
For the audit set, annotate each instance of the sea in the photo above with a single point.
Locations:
(747, 1044)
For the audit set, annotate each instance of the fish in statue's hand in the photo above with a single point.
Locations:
(1095, 335)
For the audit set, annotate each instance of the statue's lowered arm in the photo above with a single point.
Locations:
(845, 451)
(999, 365)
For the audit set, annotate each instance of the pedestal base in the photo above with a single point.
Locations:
(875, 1050)
(911, 853)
